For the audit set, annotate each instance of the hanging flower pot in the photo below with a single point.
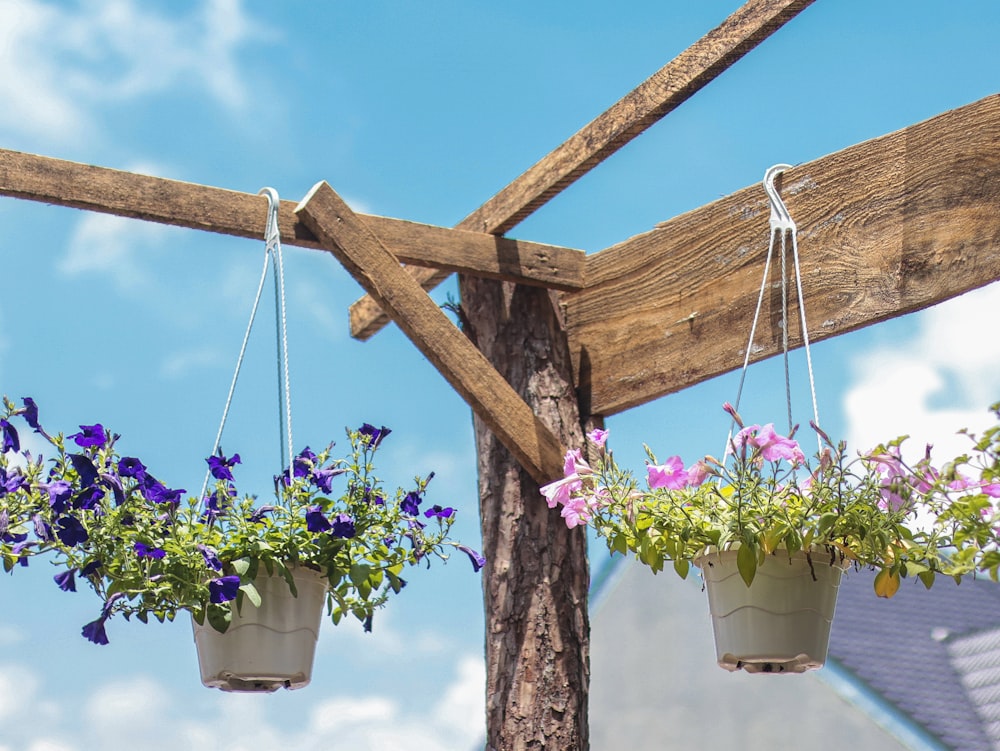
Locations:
(780, 623)
(267, 647)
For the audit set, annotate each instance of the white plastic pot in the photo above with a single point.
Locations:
(269, 647)
(781, 622)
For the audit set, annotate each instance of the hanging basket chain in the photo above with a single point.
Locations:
(272, 255)
(782, 226)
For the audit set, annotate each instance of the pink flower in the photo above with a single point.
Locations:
(560, 491)
(671, 474)
(598, 436)
(577, 511)
(991, 489)
(697, 474)
(773, 447)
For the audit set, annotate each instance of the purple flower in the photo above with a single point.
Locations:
(258, 515)
(221, 467)
(42, 530)
(66, 580)
(10, 482)
(323, 478)
(94, 631)
(411, 503)
(478, 561)
(129, 466)
(31, 413)
(115, 483)
(70, 531)
(4, 523)
(11, 442)
(145, 551)
(373, 436)
(59, 492)
(211, 558)
(90, 435)
(343, 526)
(303, 463)
(85, 469)
(316, 521)
(440, 513)
(223, 589)
(371, 496)
(91, 568)
(156, 492)
(88, 498)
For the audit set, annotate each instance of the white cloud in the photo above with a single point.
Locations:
(941, 379)
(108, 245)
(140, 712)
(181, 364)
(58, 61)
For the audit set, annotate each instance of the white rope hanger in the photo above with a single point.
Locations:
(782, 226)
(272, 254)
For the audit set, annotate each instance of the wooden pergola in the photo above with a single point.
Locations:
(553, 340)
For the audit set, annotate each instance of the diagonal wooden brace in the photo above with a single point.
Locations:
(376, 269)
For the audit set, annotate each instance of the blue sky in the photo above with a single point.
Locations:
(420, 111)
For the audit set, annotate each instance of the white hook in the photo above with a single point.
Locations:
(271, 232)
(780, 218)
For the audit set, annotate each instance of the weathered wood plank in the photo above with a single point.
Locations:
(661, 93)
(886, 227)
(465, 367)
(229, 212)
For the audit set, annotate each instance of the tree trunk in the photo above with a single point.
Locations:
(536, 577)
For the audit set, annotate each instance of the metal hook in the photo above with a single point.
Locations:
(780, 218)
(271, 232)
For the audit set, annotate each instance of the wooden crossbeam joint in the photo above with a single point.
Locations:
(361, 252)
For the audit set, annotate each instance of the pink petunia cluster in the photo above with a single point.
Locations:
(773, 447)
(578, 508)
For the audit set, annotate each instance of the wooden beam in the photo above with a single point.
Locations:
(661, 93)
(229, 212)
(886, 227)
(451, 352)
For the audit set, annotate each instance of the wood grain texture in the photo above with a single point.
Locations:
(660, 94)
(886, 227)
(492, 399)
(230, 212)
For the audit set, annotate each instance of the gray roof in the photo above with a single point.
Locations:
(934, 654)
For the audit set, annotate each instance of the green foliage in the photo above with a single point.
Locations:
(146, 552)
(870, 510)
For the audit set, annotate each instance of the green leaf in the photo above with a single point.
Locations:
(251, 592)
(241, 566)
(359, 574)
(927, 577)
(682, 566)
(746, 562)
(220, 618)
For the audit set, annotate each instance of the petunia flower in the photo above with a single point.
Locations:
(66, 580)
(94, 631)
(697, 473)
(223, 589)
(85, 469)
(438, 512)
(373, 436)
(70, 531)
(42, 530)
(11, 441)
(316, 520)
(31, 413)
(145, 551)
(221, 467)
(210, 556)
(671, 474)
(343, 526)
(129, 466)
(10, 481)
(599, 436)
(410, 503)
(90, 436)
(477, 559)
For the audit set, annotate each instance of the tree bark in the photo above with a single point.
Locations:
(536, 577)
